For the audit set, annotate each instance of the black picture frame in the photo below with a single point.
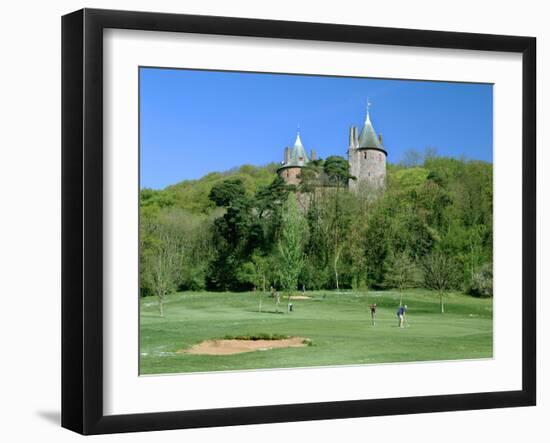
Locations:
(82, 218)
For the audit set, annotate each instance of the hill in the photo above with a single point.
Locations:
(192, 195)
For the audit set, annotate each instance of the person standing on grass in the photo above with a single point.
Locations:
(373, 313)
(401, 315)
(277, 300)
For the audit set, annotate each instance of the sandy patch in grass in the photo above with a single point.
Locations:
(299, 297)
(235, 346)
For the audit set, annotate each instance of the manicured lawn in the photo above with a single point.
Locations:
(338, 326)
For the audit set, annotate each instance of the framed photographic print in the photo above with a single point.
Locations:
(269, 221)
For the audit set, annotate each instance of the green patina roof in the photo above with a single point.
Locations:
(368, 137)
(298, 155)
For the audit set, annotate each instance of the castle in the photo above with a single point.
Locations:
(366, 157)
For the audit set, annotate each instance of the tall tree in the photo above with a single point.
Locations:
(232, 233)
(356, 254)
(164, 258)
(401, 272)
(311, 176)
(269, 202)
(377, 243)
(291, 246)
(257, 270)
(336, 169)
(439, 274)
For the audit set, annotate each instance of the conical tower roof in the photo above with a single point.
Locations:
(298, 155)
(368, 138)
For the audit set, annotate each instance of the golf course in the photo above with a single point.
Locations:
(328, 328)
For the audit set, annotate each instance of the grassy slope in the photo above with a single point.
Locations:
(338, 325)
(192, 195)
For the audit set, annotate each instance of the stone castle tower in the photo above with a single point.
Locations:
(295, 159)
(366, 157)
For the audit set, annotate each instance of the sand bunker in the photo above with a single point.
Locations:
(299, 297)
(235, 346)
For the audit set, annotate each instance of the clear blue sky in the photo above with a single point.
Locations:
(195, 122)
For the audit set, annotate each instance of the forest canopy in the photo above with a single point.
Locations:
(226, 231)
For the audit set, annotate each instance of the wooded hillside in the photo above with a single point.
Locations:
(432, 226)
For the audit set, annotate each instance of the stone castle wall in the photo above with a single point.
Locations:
(290, 175)
(369, 166)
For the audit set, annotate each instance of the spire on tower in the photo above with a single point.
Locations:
(367, 119)
(368, 137)
(298, 141)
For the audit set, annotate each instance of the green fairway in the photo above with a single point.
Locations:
(338, 325)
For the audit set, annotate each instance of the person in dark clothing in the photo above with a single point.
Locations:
(373, 313)
(401, 315)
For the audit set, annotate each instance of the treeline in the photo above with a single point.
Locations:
(432, 227)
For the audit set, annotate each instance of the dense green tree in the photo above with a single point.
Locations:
(336, 169)
(228, 193)
(231, 233)
(377, 244)
(269, 201)
(291, 246)
(312, 176)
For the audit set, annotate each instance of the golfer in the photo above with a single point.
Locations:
(373, 313)
(401, 315)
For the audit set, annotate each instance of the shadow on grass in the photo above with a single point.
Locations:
(267, 312)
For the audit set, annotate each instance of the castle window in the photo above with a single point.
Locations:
(365, 155)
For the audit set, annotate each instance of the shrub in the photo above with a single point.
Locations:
(482, 283)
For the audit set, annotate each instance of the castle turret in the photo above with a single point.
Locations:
(295, 159)
(353, 141)
(367, 157)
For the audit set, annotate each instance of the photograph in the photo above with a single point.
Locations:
(297, 220)
(275, 222)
